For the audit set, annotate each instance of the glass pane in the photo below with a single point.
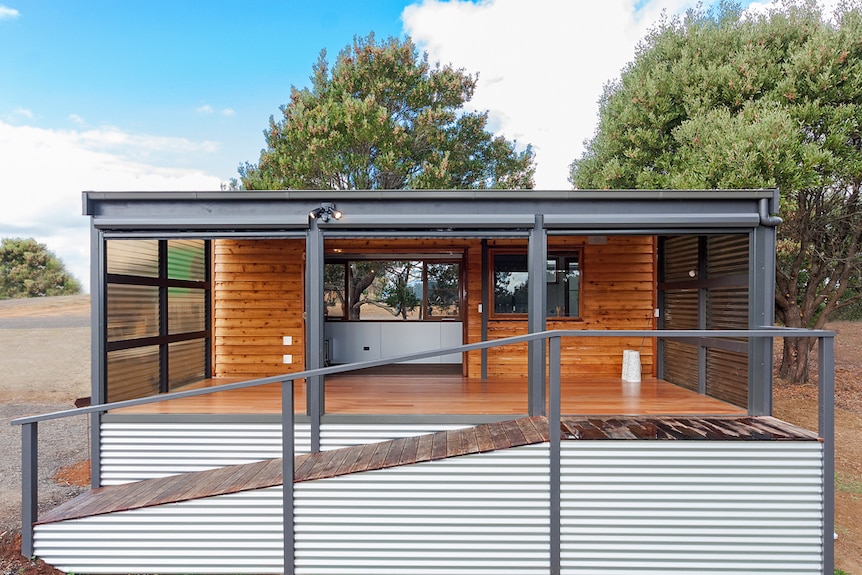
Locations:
(133, 311)
(385, 290)
(133, 373)
(133, 257)
(681, 309)
(564, 286)
(186, 362)
(186, 260)
(573, 286)
(510, 283)
(334, 290)
(186, 310)
(443, 290)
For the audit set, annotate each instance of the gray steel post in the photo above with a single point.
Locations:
(555, 472)
(826, 430)
(314, 328)
(29, 485)
(537, 261)
(761, 313)
(98, 355)
(485, 311)
(287, 454)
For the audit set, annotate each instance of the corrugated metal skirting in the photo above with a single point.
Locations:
(705, 507)
(134, 451)
(628, 508)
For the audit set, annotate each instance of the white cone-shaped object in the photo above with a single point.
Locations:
(631, 365)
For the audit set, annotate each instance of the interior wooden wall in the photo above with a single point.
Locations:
(258, 286)
(617, 292)
(257, 300)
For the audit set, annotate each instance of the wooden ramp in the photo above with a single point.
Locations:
(406, 451)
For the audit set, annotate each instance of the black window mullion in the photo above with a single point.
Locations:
(163, 317)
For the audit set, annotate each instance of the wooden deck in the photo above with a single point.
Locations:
(409, 450)
(427, 393)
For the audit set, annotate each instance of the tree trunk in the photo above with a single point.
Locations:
(796, 360)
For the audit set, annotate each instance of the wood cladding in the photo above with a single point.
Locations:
(258, 299)
(617, 292)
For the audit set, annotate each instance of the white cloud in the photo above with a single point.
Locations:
(22, 113)
(41, 195)
(542, 64)
(76, 119)
(206, 109)
(141, 147)
(7, 13)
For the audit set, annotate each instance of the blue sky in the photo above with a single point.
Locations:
(160, 95)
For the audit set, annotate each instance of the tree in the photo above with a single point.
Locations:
(720, 99)
(29, 269)
(383, 118)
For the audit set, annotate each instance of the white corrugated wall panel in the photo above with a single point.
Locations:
(338, 435)
(236, 533)
(659, 507)
(133, 451)
(478, 514)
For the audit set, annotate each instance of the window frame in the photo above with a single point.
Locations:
(426, 259)
(560, 256)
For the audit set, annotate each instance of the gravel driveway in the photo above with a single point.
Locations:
(44, 367)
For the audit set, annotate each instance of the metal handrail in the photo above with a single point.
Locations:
(331, 370)
(29, 425)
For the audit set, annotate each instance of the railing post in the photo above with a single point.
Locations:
(554, 463)
(29, 485)
(315, 410)
(287, 454)
(826, 430)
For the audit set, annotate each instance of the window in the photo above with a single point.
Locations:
(392, 289)
(562, 280)
(157, 315)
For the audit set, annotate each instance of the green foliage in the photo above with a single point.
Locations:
(722, 100)
(29, 269)
(397, 293)
(383, 118)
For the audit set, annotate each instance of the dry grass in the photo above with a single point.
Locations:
(798, 404)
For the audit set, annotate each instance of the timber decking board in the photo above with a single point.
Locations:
(369, 394)
(409, 450)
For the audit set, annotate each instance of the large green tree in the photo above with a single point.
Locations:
(383, 118)
(29, 269)
(721, 99)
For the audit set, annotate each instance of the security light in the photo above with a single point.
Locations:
(325, 212)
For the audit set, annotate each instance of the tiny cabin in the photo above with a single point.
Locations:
(384, 310)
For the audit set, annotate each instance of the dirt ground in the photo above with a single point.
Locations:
(56, 379)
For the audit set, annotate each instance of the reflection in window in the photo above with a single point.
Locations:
(562, 280)
(386, 290)
(510, 283)
(564, 286)
(133, 312)
(444, 294)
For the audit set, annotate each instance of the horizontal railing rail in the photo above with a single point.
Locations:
(29, 425)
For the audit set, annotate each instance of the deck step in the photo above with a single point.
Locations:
(405, 451)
